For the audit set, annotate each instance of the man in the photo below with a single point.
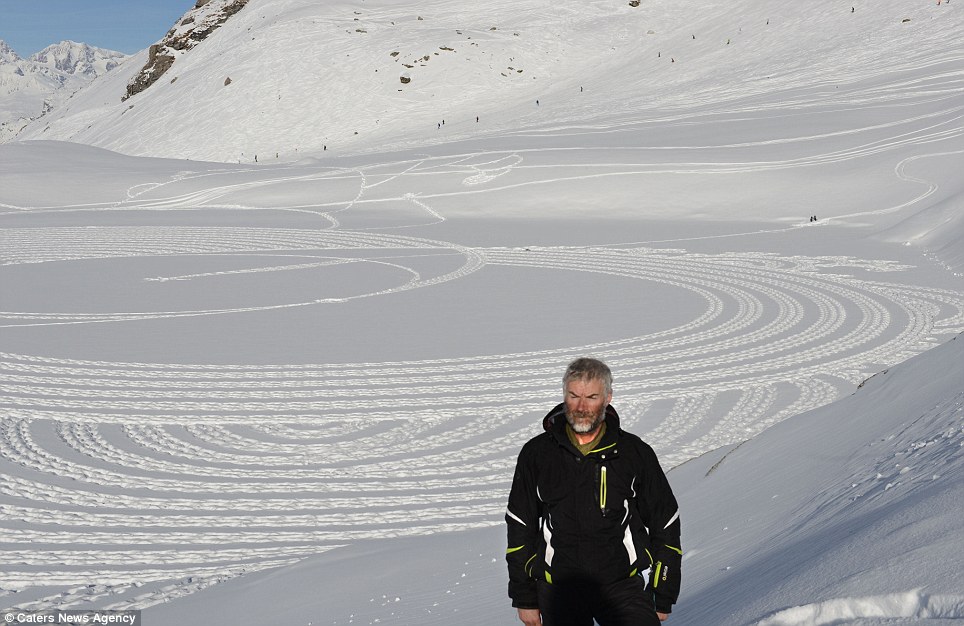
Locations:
(593, 525)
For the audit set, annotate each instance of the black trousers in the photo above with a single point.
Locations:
(624, 603)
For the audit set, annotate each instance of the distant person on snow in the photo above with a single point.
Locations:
(593, 525)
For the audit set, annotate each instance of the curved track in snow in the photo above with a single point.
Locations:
(176, 476)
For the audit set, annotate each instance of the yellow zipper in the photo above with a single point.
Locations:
(602, 489)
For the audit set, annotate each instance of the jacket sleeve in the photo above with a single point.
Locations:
(522, 521)
(660, 512)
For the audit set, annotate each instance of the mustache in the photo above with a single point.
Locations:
(584, 421)
(584, 414)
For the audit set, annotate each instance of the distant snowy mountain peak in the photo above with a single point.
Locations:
(196, 25)
(32, 87)
(7, 54)
(80, 59)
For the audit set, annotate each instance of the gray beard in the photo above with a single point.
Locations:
(583, 422)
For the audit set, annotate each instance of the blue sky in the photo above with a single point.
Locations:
(128, 26)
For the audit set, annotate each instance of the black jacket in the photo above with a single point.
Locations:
(591, 519)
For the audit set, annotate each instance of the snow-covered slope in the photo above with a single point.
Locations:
(850, 511)
(292, 77)
(33, 86)
(938, 229)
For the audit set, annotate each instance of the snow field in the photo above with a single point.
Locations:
(158, 472)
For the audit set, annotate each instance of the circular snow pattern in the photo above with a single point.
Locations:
(158, 479)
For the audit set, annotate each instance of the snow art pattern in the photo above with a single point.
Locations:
(161, 478)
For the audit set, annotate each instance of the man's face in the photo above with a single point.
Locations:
(586, 402)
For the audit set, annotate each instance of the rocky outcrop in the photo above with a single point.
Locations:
(196, 26)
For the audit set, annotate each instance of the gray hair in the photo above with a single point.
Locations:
(586, 368)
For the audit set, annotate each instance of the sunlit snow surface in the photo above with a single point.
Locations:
(209, 370)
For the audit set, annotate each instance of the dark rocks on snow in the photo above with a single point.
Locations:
(162, 54)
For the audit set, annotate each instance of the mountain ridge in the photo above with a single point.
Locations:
(33, 86)
(297, 78)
